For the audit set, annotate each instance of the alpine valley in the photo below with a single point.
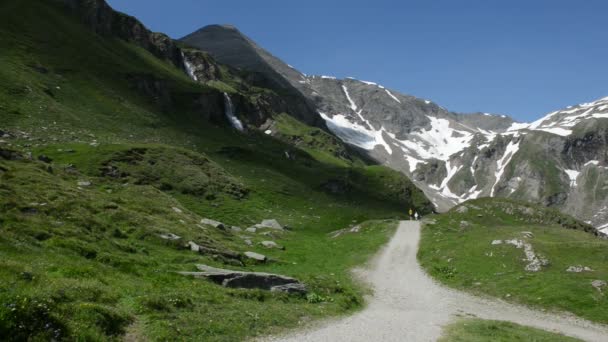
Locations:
(560, 160)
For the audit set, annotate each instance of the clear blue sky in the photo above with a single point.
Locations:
(523, 58)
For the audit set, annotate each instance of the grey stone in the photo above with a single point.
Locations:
(84, 183)
(578, 269)
(213, 223)
(271, 224)
(194, 246)
(251, 230)
(248, 280)
(236, 229)
(177, 210)
(270, 244)
(256, 256)
(598, 284)
(169, 236)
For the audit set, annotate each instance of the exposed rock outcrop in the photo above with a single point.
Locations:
(248, 280)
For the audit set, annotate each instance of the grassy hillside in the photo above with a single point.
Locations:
(105, 148)
(467, 248)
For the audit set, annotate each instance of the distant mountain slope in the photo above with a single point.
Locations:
(229, 46)
(557, 161)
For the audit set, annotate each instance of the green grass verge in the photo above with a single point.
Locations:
(478, 330)
(457, 250)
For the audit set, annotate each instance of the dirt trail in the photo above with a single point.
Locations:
(408, 305)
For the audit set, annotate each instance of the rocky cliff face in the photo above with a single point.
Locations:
(102, 19)
(558, 161)
(229, 46)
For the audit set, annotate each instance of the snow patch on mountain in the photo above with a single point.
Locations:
(391, 95)
(356, 134)
(560, 122)
(502, 163)
(441, 141)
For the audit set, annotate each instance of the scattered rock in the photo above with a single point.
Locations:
(528, 235)
(578, 269)
(251, 230)
(337, 233)
(177, 210)
(213, 223)
(45, 159)
(236, 229)
(464, 224)
(598, 284)
(271, 244)
(248, 242)
(271, 224)
(169, 236)
(228, 254)
(256, 256)
(534, 262)
(194, 246)
(248, 280)
(84, 183)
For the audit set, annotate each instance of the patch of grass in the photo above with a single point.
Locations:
(456, 248)
(477, 330)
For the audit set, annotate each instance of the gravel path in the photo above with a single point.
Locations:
(408, 305)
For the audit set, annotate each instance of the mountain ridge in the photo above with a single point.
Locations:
(455, 157)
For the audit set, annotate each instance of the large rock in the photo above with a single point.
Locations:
(249, 280)
(256, 256)
(271, 224)
(213, 223)
(271, 244)
(169, 236)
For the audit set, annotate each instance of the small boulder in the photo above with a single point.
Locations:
(177, 210)
(84, 183)
(271, 244)
(271, 224)
(251, 230)
(248, 242)
(194, 246)
(598, 284)
(213, 223)
(464, 224)
(256, 256)
(578, 269)
(236, 229)
(248, 280)
(169, 236)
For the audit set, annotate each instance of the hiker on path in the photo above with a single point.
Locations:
(416, 216)
(411, 214)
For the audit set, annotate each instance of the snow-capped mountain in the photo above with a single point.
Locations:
(559, 160)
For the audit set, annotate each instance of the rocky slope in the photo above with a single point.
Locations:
(229, 46)
(559, 160)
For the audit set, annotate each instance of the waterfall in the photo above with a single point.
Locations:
(189, 68)
(229, 110)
